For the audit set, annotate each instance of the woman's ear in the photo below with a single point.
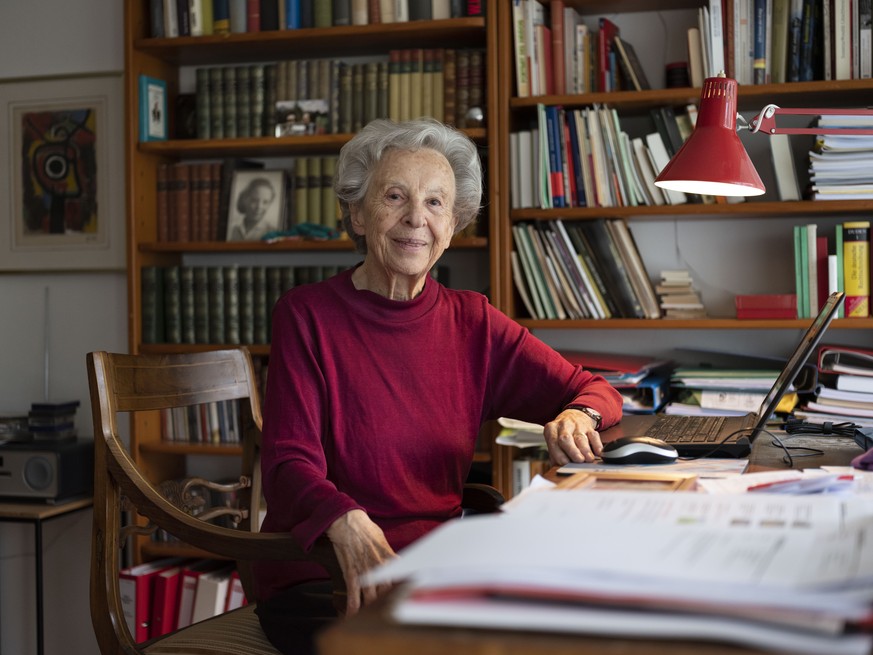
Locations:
(357, 218)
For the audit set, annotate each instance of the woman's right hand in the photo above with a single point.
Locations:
(360, 545)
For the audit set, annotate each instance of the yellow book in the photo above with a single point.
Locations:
(856, 268)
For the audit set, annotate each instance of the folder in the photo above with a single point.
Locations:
(135, 585)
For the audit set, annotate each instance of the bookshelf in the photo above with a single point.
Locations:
(519, 111)
(664, 227)
(175, 61)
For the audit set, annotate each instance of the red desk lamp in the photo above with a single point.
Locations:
(713, 160)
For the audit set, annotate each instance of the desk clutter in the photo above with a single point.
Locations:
(771, 571)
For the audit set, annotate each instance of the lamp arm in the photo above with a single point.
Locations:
(765, 121)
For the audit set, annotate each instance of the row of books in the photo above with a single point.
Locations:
(216, 304)
(169, 18)
(845, 392)
(583, 158)
(196, 199)
(209, 423)
(340, 97)
(586, 269)
(164, 595)
(824, 264)
(556, 52)
(798, 41)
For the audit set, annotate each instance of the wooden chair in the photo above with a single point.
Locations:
(146, 383)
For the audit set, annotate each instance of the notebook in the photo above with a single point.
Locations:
(695, 436)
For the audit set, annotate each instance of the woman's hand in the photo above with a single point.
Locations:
(571, 437)
(360, 545)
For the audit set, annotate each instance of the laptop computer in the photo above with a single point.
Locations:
(728, 436)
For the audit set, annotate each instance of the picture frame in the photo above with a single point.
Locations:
(630, 481)
(302, 117)
(153, 119)
(257, 204)
(63, 185)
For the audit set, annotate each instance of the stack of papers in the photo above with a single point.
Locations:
(784, 573)
(839, 166)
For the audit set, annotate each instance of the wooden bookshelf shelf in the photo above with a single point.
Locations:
(695, 324)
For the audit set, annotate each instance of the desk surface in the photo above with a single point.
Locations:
(372, 632)
(38, 511)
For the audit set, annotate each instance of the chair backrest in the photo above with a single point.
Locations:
(122, 383)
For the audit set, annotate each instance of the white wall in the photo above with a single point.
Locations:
(87, 311)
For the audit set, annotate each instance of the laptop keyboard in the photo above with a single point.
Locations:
(690, 429)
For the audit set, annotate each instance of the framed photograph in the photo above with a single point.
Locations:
(257, 204)
(302, 117)
(63, 182)
(152, 109)
(630, 481)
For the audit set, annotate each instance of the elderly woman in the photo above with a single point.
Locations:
(380, 377)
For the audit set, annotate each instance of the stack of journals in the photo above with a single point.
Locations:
(840, 164)
(643, 382)
(715, 567)
(677, 296)
(846, 390)
(723, 392)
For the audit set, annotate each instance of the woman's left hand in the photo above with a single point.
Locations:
(572, 437)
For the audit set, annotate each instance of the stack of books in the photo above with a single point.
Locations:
(677, 297)
(845, 392)
(49, 421)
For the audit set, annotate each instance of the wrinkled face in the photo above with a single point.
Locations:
(406, 216)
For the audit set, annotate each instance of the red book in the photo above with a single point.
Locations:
(253, 15)
(135, 584)
(766, 306)
(821, 260)
(165, 601)
(608, 30)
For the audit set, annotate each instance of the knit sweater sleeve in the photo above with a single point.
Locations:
(300, 497)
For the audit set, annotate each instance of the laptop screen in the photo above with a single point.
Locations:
(798, 358)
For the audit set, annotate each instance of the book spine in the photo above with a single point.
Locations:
(172, 307)
(253, 15)
(342, 12)
(152, 304)
(246, 304)
(322, 14)
(156, 19)
(201, 304)
(186, 304)
(229, 81)
(360, 12)
(215, 279)
(180, 202)
(221, 16)
(313, 201)
(162, 210)
(243, 102)
(856, 268)
(260, 308)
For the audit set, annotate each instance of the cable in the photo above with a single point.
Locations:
(799, 426)
(788, 458)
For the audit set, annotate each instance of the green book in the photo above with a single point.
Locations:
(260, 307)
(172, 307)
(231, 304)
(201, 305)
(215, 276)
(186, 304)
(329, 206)
(313, 202)
(228, 74)
(246, 304)
(799, 263)
(243, 102)
(152, 304)
(204, 120)
(216, 103)
(301, 191)
(804, 272)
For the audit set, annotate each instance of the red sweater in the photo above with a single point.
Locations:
(376, 404)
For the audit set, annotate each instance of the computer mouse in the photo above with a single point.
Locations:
(638, 450)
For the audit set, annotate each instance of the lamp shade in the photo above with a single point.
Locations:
(713, 160)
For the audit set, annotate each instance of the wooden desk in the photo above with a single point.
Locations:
(37, 513)
(372, 632)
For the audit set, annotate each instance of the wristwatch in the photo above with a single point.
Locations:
(593, 413)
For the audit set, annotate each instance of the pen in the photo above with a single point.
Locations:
(817, 484)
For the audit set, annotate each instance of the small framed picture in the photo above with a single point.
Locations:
(152, 109)
(257, 204)
(630, 481)
(302, 117)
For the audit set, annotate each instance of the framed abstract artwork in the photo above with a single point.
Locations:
(63, 185)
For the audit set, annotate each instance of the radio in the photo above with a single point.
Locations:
(47, 471)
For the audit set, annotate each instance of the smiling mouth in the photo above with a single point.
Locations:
(412, 243)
